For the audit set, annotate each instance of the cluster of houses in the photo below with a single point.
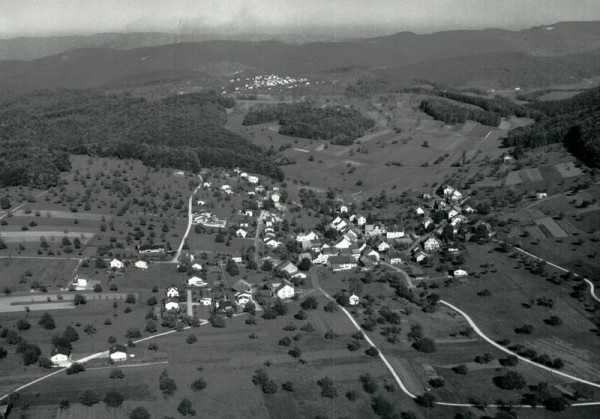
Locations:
(359, 244)
(269, 236)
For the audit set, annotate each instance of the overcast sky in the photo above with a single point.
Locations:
(61, 17)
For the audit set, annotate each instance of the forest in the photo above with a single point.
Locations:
(574, 122)
(337, 124)
(452, 113)
(183, 132)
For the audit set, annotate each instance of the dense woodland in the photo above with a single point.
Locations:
(337, 124)
(574, 122)
(183, 132)
(452, 113)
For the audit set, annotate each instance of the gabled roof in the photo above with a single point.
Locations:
(241, 285)
(117, 348)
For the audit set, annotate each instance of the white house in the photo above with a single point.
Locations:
(196, 282)
(459, 219)
(172, 304)
(206, 301)
(299, 275)
(273, 244)
(420, 256)
(341, 263)
(172, 292)
(197, 267)
(395, 258)
(249, 213)
(460, 272)
(456, 196)
(307, 237)
(395, 233)
(431, 244)
(342, 243)
(60, 356)
(179, 173)
(382, 246)
(469, 209)
(241, 233)
(117, 264)
(448, 190)
(541, 195)
(507, 158)
(341, 225)
(201, 202)
(420, 211)
(236, 259)
(343, 209)
(361, 221)
(141, 264)
(80, 283)
(118, 353)
(207, 185)
(225, 188)
(374, 230)
(252, 179)
(452, 212)
(242, 298)
(283, 290)
(275, 197)
(354, 300)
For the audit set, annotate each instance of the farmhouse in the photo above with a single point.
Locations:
(354, 300)
(140, 264)
(307, 237)
(420, 256)
(341, 263)
(172, 292)
(283, 290)
(394, 233)
(171, 304)
(116, 264)
(151, 248)
(241, 233)
(394, 257)
(196, 282)
(431, 244)
(118, 353)
(242, 298)
(242, 286)
(80, 283)
(460, 272)
(287, 267)
(60, 355)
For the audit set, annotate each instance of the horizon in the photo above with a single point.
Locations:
(336, 18)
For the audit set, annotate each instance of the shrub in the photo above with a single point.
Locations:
(133, 333)
(308, 327)
(425, 345)
(89, 398)
(372, 351)
(327, 388)
(130, 299)
(425, 400)
(461, 369)
(139, 413)
(113, 399)
(116, 374)
(191, 339)
(330, 307)
(185, 408)
(512, 380)
(553, 321)
(288, 386)
(300, 315)
(437, 382)
(353, 346)
(47, 322)
(23, 324)
(382, 407)
(166, 384)
(310, 303)
(269, 387)
(369, 384)
(198, 384)
(525, 329)
(75, 368)
(295, 352)
(79, 300)
(286, 341)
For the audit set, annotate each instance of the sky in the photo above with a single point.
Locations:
(83, 17)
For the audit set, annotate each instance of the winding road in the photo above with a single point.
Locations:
(405, 390)
(190, 221)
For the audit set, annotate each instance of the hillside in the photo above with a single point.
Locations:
(184, 132)
(574, 122)
(453, 57)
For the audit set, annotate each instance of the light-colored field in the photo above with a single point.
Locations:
(551, 225)
(39, 302)
(35, 236)
(568, 169)
(535, 232)
(64, 214)
(582, 363)
(533, 175)
(559, 95)
(513, 178)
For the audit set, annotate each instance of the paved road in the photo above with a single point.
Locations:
(190, 221)
(259, 227)
(21, 205)
(409, 283)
